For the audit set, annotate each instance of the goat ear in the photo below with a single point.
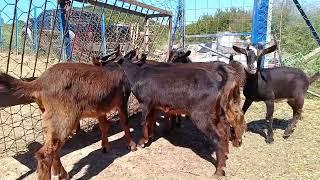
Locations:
(188, 53)
(231, 58)
(269, 49)
(105, 58)
(131, 54)
(143, 57)
(239, 50)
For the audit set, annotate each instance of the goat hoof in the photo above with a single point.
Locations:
(132, 146)
(286, 136)
(269, 140)
(106, 148)
(287, 133)
(64, 176)
(219, 174)
(142, 142)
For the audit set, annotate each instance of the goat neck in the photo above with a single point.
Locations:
(131, 70)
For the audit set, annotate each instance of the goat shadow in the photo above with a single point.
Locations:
(96, 161)
(187, 136)
(260, 126)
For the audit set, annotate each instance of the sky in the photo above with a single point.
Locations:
(194, 8)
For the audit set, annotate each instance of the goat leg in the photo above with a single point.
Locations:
(269, 118)
(125, 126)
(247, 103)
(296, 106)
(104, 129)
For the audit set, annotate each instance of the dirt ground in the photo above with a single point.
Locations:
(186, 154)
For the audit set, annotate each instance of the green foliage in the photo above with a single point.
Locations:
(233, 19)
(290, 28)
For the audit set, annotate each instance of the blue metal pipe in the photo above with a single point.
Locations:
(259, 23)
(103, 35)
(17, 33)
(0, 30)
(65, 30)
(35, 29)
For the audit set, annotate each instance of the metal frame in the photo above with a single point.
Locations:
(132, 9)
(155, 12)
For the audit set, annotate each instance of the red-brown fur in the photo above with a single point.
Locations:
(66, 93)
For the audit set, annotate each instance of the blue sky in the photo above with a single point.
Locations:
(194, 8)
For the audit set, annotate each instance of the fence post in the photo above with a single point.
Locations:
(66, 42)
(0, 31)
(259, 23)
(17, 32)
(63, 54)
(35, 29)
(103, 35)
(170, 36)
(179, 24)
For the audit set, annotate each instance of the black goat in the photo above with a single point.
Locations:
(208, 97)
(273, 84)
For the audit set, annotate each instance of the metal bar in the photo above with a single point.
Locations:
(103, 35)
(35, 29)
(16, 32)
(63, 52)
(52, 32)
(0, 30)
(25, 38)
(65, 28)
(308, 22)
(170, 37)
(217, 35)
(157, 15)
(12, 29)
(37, 52)
(88, 28)
(219, 54)
(183, 24)
(259, 23)
(108, 6)
(146, 6)
(176, 22)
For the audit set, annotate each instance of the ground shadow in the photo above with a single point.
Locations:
(82, 140)
(260, 126)
(187, 136)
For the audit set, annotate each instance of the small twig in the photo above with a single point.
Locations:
(313, 93)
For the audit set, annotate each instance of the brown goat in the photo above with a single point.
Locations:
(207, 96)
(68, 92)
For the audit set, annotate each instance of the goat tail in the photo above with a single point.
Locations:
(20, 88)
(230, 101)
(314, 78)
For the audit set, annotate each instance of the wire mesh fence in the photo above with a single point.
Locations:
(297, 45)
(212, 27)
(35, 35)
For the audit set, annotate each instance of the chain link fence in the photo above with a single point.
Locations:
(212, 27)
(35, 35)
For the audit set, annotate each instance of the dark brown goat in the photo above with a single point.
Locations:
(172, 120)
(79, 91)
(272, 84)
(205, 95)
